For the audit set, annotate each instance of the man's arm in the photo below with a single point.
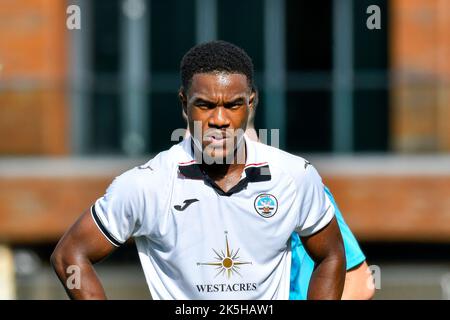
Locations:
(327, 250)
(81, 246)
(359, 283)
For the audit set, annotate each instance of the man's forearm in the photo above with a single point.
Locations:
(79, 278)
(327, 280)
(359, 283)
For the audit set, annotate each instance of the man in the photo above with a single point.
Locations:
(212, 216)
(358, 279)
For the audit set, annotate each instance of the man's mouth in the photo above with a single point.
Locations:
(216, 139)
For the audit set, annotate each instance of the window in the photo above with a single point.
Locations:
(307, 104)
(371, 94)
(172, 34)
(105, 98)
(309, 59)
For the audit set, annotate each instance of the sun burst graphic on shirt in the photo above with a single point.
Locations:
(227, 263)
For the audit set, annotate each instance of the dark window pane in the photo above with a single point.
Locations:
(165, 118)
(309, 121)
(106, 123)
(105, 35)
(172, 33)
(309, 37)
(370, 46)
(105, 129)
(241, 22)
(371, 120)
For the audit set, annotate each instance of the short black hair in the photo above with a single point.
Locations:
(216, 56)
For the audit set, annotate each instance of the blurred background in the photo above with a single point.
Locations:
(369, 107)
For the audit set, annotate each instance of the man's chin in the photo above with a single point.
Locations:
(216, 156)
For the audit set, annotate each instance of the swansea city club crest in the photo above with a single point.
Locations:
(266, 205)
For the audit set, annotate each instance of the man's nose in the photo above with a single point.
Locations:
(219, 118)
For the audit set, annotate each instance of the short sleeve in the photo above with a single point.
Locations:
(316, 210)
(118, 213)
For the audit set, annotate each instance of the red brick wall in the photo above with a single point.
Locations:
(33, 109)
(41, 209)
(394, 208)
(420, 64)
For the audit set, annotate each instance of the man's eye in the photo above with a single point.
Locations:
(202, 105)
(234, 105)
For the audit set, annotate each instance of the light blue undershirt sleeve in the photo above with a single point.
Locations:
(302, 266)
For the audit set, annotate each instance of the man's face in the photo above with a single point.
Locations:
(219, 103)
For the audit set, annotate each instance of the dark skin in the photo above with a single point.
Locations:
(326, 248)
(219, 101)
(82, 245)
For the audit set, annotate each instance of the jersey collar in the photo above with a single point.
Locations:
(255, 170)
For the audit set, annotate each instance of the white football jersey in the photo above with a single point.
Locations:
(197, 242)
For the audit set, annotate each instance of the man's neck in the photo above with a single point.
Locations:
(227, 167)
(226, 175)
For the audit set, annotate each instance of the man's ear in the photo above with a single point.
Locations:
(183, 100)
(253, 100)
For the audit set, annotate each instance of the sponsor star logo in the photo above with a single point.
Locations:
(227, 263)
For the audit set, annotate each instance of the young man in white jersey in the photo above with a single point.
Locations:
(212, 216)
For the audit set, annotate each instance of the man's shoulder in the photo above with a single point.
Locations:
(165, 160)
(283, 161)
(157, 170)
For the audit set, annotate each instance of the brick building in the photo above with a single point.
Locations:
(101, 99)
